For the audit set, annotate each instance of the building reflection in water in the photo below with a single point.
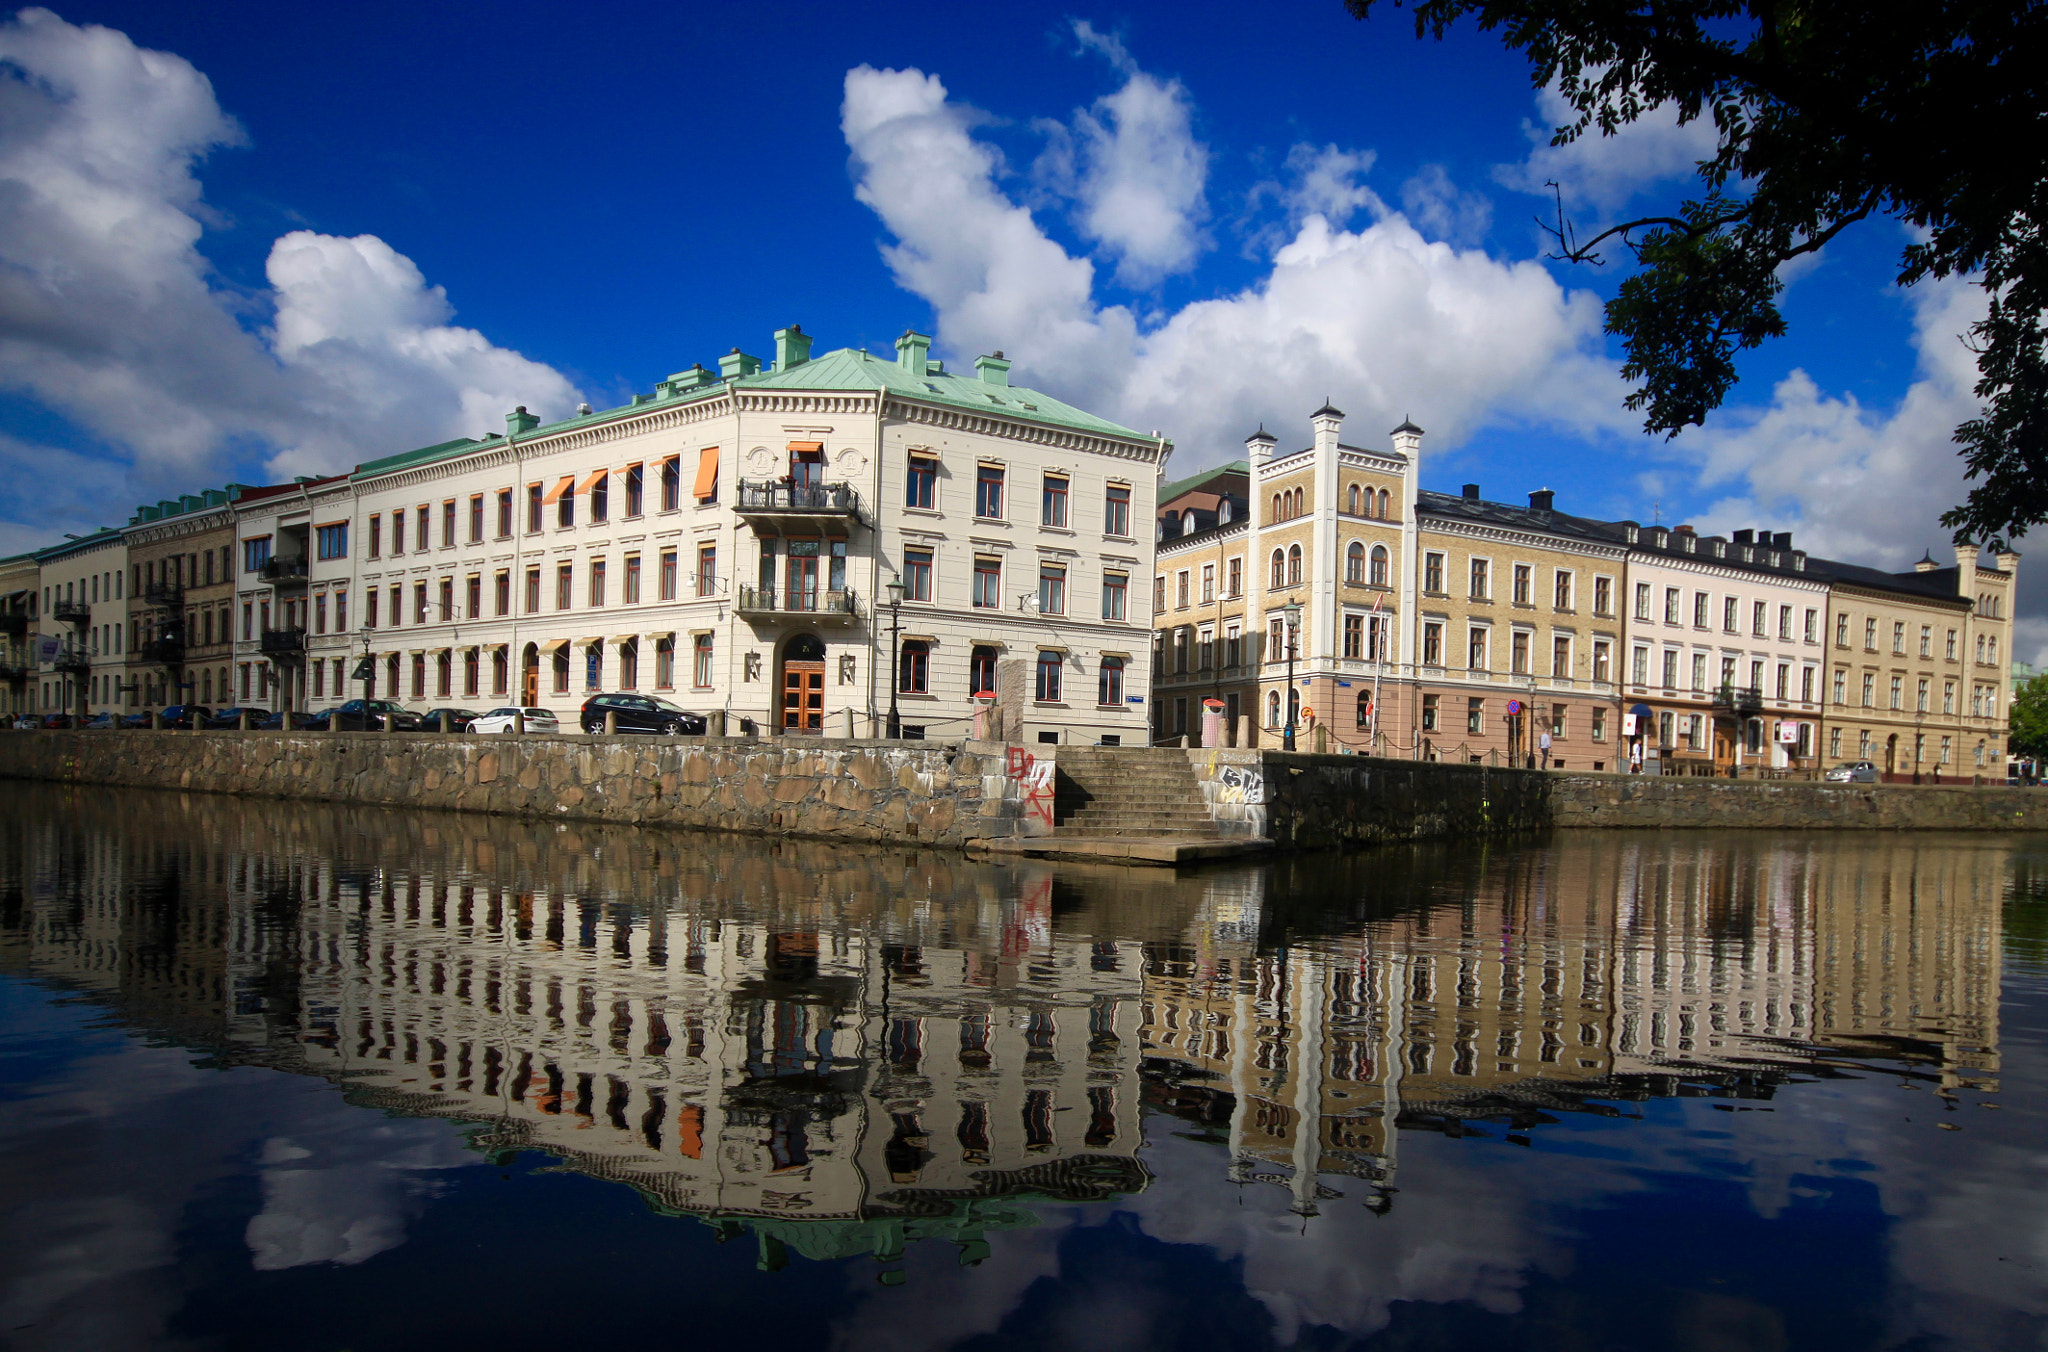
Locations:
(845, 1050)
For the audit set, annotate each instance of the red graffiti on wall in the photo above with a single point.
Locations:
(1035, 776)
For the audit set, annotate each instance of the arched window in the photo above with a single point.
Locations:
(914, 674)
(1383, 504)
(1276, 507)
(1293, 564)
(1364, 707)
(1354, 562)
(1354, 499)
(1379, 565)
(1110, 686)
(1279, 569)
(1223, 512)
(1296, 511)
(1272, 708)
(1187, 522)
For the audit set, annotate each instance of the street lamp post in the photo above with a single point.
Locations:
(895, 590)
(1292, 613)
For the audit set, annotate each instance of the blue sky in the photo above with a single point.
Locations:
(242, 241)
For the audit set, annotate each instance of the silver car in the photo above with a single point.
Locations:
(501, 721)
(1852, 772)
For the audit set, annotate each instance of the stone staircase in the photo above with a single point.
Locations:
(1129, 791)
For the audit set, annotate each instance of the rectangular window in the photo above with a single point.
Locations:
(398, 532)
(1433, 644)
(474, 596)
(1899, 637)
(565, 507)
(419, 603)
(376, 535)
(1052, 589)
(1870, 636)
(1158, 594)
(1927, 640)
(1053, 502)
(476, 518)
(319, 615)
(1518, 653)
(1116, 511)
(1601, 660)
(1475, 649)
(1180, 590)
(504, 513)
(533, 506)
(423, 526)
(1433, 574)
(666, 585)
(1670, 669)
(707, 570)
(1642, 600)
(1699, 671)
(1208, 583)
(1561, 658)
(340, 615)
(1234, 577)
(1114, 585)
(1109, 689)
(921, 483)
(332, 541)
(1603, 596)
(369, 609)
(1759, 617)
(1785, 624)
(1354, 636)
(1564, 590)
(1671, 605)
(501, 593)
(917, 574)
(597, 582)
(988, 491)
(1050, 665)
(700, 661)
(635, 482)
(1521, 584)
(601, 498)
(1479, 579)
(632, 592)
(1475, 715)
(1898, 692)
(564, 582)
(255, 553)
(1869, 690)
(671, 483)
(1951, 645)
(1430, 713)
(533, 591)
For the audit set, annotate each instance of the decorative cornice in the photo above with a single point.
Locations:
(1565, 544)
(958, 420)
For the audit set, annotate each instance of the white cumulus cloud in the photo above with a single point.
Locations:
(112, 318)
(1601, 173)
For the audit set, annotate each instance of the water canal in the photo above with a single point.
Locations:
(283, 1076)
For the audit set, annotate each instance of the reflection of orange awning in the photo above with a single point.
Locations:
(707, 473)
(590, 479)
(565, 484)
(815, 446)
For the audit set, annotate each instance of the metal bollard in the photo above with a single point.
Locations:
(611, 722)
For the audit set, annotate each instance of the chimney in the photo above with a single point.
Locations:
(913, 353)
(736, 363)
(1782, 540)
(2005, 558)
(993, 370)
(1259, 448)
(792, 347)
(1742, 537)
(519, 420)
(1540, 500)
(1471, 492)
(1407, 440)
(1966, 568)
(1326, 421)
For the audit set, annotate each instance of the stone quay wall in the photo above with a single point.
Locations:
(1304, 801)
(1658, 801)
(925, 792)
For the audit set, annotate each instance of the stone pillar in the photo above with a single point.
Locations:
(519, 721)
(611, 722)
(715, 724)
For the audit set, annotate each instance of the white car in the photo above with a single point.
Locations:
(1852, 772)
(501, 720)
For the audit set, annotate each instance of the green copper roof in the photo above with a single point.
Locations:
(419, 457)
(1188, 485)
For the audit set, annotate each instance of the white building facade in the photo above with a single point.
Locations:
(730, 542)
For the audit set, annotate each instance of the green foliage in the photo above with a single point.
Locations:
(2030, 720)
(1932, 113)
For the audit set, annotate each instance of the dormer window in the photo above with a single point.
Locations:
(1663, 539)
(1187, 522)
(1688, 544)
(1720, 549)
(1223, 512)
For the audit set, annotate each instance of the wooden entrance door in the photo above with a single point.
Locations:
(529, 679)
(803, 696)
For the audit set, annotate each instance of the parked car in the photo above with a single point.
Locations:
(187, 716)
(58, 722)
(300, 721)
(458, 719)
(103, 719)
(26, 722)
(500, 721)
(641, 713)
(1853, 772)
(376, 715)
(232, 718)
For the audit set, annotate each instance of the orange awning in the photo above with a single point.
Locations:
(554, 645)
(707, 473)
(565, 484)
(807, 446)
(590, 479)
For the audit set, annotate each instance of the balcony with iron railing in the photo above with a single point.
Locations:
(73, 659)
(1739, 699)
(784, 506)
(164, 652)
(164, 595)
(281, 572)
(71, 612)
(284, 644)
(824, 604)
